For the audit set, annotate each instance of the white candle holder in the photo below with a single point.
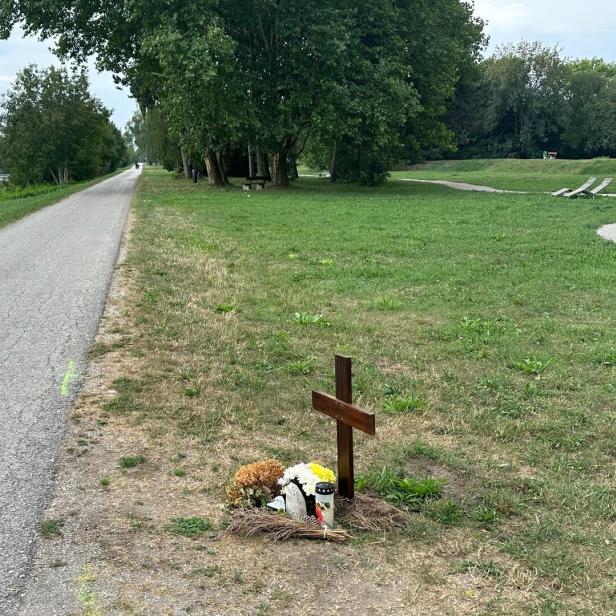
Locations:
(324, 501)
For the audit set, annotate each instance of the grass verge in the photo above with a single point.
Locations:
(12, 209)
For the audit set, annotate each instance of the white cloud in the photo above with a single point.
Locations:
(569, 24)
(501, 14)
(19, 51)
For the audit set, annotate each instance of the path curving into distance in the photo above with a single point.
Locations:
(608, 232)
(55, 269)
(467, 187)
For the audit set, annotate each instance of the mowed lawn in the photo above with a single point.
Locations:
(482, 330)
(513, 174)
(17, 202)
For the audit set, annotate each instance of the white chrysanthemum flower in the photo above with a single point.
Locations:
(303, 475)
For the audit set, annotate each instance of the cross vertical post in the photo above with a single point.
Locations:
(344, 392)
(347, 416)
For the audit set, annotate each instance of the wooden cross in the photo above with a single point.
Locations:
(347, 416)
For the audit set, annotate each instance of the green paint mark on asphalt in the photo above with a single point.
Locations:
(69, 377)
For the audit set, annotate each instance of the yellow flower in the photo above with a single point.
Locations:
(323, 473)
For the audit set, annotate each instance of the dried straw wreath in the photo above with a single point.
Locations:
(249, 522)
(369, 514)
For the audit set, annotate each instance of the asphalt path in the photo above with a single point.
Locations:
(55, 269)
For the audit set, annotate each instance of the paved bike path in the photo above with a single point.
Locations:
(55, 270)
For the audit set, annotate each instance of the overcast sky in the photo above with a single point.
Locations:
(582, 29)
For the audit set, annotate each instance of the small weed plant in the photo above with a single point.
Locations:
(446, 511)
(400, 490)
(301, 366)
(403, 404)
(303, 318)
(51, 528)
(131, 461)
(532, 366)
(607, 358)
(387, 303)
(189, 527)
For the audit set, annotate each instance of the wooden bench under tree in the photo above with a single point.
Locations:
(256, 181)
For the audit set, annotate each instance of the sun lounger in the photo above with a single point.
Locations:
(583, 189)
(597, 189)
(560, 192)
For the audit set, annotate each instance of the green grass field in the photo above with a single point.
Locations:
(513, 174)
(13, 206)
(483, 334)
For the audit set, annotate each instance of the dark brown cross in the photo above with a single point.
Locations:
(347, 416)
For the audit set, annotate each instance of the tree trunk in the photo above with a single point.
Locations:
(260, 168)
(251, 166)
(185, 165)
(263, 166)
(294, 170)
(280, 174)
(333, 170)
(214, 174)
(222, 168)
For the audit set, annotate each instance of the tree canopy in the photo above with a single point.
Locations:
(356, 84)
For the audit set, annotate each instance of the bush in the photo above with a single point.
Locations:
(17, 192)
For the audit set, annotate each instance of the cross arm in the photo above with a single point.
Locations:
(348, 414)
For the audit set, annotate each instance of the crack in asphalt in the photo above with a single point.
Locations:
(55, 269)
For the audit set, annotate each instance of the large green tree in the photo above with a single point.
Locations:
(527, 98)
(200, 94)
(443, 42)
(525, 106)
(405, 61)
(54, 129)
(590, 97)
(292, 58)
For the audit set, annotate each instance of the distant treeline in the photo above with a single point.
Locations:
(527, 99)
(53, 130)
(346, 85)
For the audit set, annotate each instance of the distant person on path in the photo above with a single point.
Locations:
(136, 165)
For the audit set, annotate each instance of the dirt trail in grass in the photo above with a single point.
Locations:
(467, 187)
(608, 232)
